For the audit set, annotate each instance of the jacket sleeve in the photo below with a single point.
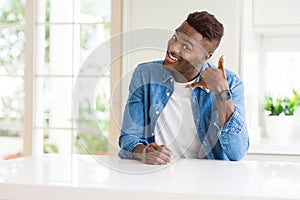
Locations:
(133, 118)
(233, 136)
(231, 141)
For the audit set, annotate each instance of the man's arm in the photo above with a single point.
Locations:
(215, 80)
(131, 141)
(233, 135)
(225, 110)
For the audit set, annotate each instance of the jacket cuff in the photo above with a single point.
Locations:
(235, 123)
(126, 151)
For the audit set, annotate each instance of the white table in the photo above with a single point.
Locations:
(108, 177)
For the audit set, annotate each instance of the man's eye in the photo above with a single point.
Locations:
(174, 37)
(185, 47)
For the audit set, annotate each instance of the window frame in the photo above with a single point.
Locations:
(29, 137)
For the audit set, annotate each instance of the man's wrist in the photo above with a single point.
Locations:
(144, 154)
(138, 151)
(224, 95)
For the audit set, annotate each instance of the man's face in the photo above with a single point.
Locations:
(187, 50)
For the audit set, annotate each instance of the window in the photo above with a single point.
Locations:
(66, 33)
(282, 63)
(275, 75)
(282, 72)
(271, 66)
(12, 38)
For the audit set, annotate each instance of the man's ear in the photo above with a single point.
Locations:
(208, 56)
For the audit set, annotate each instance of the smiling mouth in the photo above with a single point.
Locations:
(171, 57)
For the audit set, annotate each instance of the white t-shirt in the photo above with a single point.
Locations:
(175, 126)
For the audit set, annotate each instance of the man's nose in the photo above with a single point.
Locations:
(175, 48)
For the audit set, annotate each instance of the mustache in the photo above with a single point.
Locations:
(169, 51)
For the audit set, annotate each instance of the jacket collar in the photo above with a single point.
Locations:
(167, 76)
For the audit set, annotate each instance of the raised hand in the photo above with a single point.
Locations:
(221, 66)
(212, 79)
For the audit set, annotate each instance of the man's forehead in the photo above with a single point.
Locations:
(186, 37)
(194, 41)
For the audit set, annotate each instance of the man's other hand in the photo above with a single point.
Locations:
(153, 154)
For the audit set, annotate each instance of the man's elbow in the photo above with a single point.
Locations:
(239, 154)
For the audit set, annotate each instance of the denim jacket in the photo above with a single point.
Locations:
(150, 89)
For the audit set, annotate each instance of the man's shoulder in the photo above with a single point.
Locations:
(152, 67)
(151, 64)
(153, 71)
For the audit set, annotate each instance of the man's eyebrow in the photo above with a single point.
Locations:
(184, 39)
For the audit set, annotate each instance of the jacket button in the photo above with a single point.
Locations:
(157, 112)
(171, 80)
(168, 93)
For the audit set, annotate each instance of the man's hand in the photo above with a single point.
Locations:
(213, 79)
(153, 154)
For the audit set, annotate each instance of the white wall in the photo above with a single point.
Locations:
(276, 12)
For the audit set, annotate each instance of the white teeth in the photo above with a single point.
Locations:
(173, 58)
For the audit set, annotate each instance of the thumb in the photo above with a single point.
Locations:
(200, 84)
(221, 66)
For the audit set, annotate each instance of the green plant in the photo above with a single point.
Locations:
(288, 106)
(273, 106)
(276, 106)
(296, 97)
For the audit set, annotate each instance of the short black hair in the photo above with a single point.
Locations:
(207, 25)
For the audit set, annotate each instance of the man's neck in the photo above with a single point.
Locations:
(184, 77)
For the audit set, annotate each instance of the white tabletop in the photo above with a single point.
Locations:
(99, 177)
